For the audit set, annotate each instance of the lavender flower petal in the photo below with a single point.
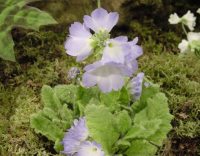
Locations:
(108, 76)
(116, 50)
(79, 42)
(101, 20)
(88, 148)
(134, 52)
(132, 65)
(136, 86)
(75, 136)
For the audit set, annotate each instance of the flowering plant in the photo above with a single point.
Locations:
(110, 112)
(192, 44)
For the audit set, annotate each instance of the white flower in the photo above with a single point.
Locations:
(186, 45)
(198, 11)
(174, 19)
(193, 36)
(188, 19)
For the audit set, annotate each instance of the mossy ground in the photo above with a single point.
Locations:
(41, 59)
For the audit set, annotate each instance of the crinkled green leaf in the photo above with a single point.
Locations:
(121, 146)
(111, 100)
(158, 109)
(123, 122)
(43, 125)
(143, 129)
(150, 124)
(14, 13)
(125, 96)
(86, 94)
(54, 119)
(50, 99)
(66, 93)
(141, 148)
(123, 143)
(101, 126)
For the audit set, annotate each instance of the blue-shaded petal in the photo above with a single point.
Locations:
(136, 86)
(116, 50)
(88, 148)
(108, 76)
(75, 136)
(101, 20)
(79, 41)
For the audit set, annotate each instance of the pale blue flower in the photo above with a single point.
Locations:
(134, 52)
(101, 20)
(79, 41)
(109, 76)
(136, 86)
(88, 148)
(116, 50)
(77, 134)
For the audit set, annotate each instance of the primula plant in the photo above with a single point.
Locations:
(15, 13)
(112, 109)
(192, 43)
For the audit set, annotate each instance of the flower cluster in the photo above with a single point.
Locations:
(116, 56)
(192, 44)
(76, 144)
(188, 19)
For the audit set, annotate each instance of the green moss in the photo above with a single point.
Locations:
(188, 129)
(180, 79)
(41, 60)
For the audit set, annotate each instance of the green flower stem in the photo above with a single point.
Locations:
(98, 3)
(184, 29)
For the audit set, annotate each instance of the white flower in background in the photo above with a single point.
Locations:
(193, 36)
(188, 19)
(174, 19)
(198, 11)
(184, 46)
(192, 42)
